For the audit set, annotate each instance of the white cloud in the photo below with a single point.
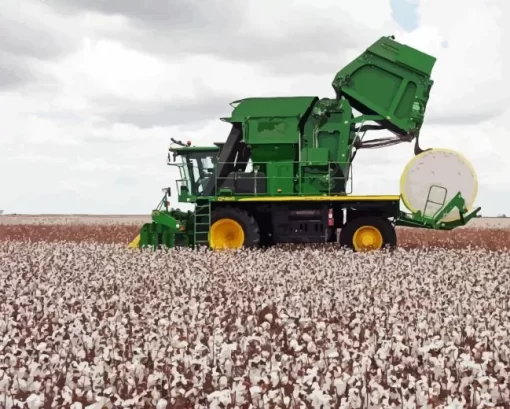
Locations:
(469, 106)
(86, 113)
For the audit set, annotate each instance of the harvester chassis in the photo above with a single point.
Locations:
(282, 175)
(266, 221)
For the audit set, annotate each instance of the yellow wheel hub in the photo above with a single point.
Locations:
(367, 238)
(226, 234)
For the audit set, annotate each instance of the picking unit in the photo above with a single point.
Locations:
(283, 175)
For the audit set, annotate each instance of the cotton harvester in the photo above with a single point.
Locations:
(283, 175)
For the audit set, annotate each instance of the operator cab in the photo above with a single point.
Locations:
(196, 165)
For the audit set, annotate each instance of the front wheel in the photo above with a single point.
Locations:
(233, 228)
(368, 234)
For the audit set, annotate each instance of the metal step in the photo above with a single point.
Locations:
(202, 224)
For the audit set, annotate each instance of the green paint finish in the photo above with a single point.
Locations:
(269, 107)
(315, 156)
(280, 178)
(264, 154)
(330, 127)
(418, 219)
(271, 130)
(169, 227)
(155, 235)
(390, 79)
(329, 132)
(303, 145)
(315, 180)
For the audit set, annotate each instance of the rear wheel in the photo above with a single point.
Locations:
(368, 233)
(233, 228)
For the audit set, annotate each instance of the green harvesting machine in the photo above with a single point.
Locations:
(283, 175)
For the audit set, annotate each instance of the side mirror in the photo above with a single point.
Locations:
(167, 191)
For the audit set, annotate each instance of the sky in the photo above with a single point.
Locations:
(92, 91)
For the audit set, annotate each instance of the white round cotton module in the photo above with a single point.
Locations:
(432, 178)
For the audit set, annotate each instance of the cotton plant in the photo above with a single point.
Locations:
(88, 325)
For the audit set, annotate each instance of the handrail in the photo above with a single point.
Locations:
(328, 182)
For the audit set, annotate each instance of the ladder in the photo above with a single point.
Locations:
(434, 202)
(202, 223)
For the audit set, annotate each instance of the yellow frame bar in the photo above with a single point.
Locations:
(371, 198)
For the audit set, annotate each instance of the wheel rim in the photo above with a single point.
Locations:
(367, 238)
(226, 234)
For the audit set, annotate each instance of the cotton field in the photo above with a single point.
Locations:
(99, 326)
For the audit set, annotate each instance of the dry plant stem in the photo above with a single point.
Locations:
(405, 329)
(487, 238)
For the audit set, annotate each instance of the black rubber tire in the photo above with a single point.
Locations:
(384, 226)
(247, 222)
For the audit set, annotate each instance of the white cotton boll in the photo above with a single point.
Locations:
(89, 395)
(223, 382)
(4, 381)
(354, 399)
(54, 359)
(266, 326)
(155, 394)
(295, 346)
(219, 397)
(275, 378)
(81, 354)
(41, 346)
(318, 398)
(455, 404)
(277, 321)
(162, 404)
(34, 386)
(152, 380)
(35, 401)
(340, 386)
(255, 391)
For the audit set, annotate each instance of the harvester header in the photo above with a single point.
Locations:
(284, 173)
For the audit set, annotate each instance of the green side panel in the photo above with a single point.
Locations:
(155, 235)
(403, 55)
(331, 141)
(336, 135)
(270, 107)
(329, 132)
(404, 108)
(315, 180)
(329, 126)
(406, 55)
(391, 80)
(280, 178)
(370, 79)
(271, 130)
(315, 156)
(273, 153)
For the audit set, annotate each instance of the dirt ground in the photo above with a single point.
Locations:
(491, 234)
